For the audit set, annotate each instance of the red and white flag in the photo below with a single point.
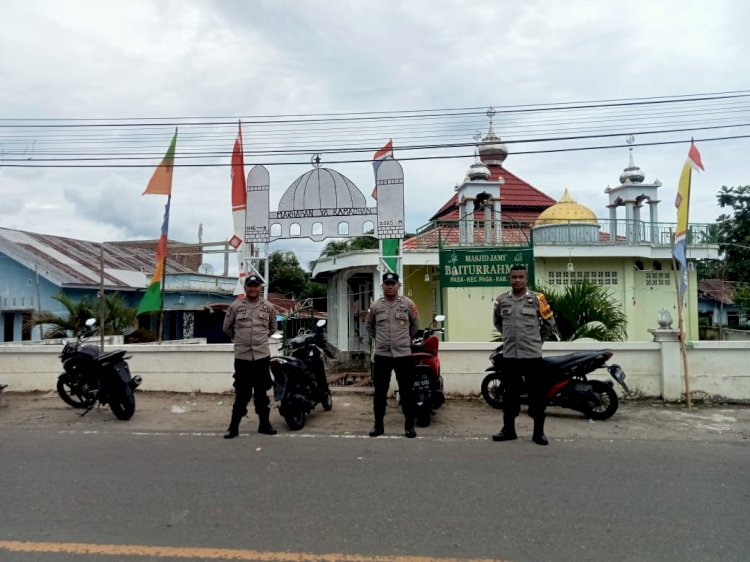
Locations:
(377, 159)
(239, 204)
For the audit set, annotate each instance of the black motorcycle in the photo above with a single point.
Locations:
(568, 385)
(93, 377)
(299, 377)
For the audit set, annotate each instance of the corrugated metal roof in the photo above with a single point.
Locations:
(72, 262)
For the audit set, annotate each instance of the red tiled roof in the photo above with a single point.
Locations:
(515, 195)
(448, 236)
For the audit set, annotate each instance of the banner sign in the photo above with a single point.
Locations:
(483, 267)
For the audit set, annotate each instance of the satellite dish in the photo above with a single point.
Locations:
(206, 268)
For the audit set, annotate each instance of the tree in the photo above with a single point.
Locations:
(586, 310)
(118, 317)
(734, 232)
(286, 275)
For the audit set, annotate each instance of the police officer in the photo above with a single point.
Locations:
(393, 321)
(249, 322)
(520, 315)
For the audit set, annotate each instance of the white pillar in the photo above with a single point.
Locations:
(654, 220)
(613, 224)
(487, 225)
(629, 218)
(670, 362)
(498, 222)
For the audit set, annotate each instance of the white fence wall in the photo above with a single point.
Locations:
(716, 368)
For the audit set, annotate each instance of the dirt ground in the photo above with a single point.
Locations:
(352, 415)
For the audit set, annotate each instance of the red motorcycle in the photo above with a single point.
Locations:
(427, 391)
(569, 386)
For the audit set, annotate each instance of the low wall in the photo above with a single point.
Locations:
(716, 368)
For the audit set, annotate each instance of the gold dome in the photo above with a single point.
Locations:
(566, 210)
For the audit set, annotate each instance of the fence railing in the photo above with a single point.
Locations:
(605, 232)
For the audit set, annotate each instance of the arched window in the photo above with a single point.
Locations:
(275, 230)
(368, 227)
(295, 229)
(344, 228)
(317, 228)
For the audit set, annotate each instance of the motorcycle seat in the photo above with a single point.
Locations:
(561, 360)
(111, 356)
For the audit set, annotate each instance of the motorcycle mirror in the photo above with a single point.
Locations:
(91, 322)
(320, 323)
(439, 317)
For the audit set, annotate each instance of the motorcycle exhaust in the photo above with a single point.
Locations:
(135, 382)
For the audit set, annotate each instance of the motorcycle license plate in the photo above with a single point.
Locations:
(422, 383)
(619, 375)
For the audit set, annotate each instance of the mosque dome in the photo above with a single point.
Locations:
(478, 171)
(321, 188)
(565, 211)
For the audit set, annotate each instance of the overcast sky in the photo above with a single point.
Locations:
(158, 59)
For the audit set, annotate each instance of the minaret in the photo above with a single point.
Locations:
(631, 194)
(478, 190)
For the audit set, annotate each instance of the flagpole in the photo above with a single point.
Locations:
(681, 328)
(163, 285)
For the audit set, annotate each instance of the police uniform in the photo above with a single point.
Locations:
(520, 320)
(249, 325)
(393, 323)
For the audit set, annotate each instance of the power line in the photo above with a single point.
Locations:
(401, 159)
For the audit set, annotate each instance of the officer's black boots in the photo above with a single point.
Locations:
(508, 432)
(377, 429)
(409, 432)
(265, 426)
(538, 436)
(234, 428)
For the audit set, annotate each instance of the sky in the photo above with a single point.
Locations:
(156, 60)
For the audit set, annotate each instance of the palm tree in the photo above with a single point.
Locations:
(118, 317)
(586, 310)
(334, 248)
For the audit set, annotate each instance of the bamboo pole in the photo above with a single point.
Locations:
(681, 328)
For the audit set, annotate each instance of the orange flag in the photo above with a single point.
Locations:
(161, 182)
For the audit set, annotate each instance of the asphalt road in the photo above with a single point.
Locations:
(117, 495)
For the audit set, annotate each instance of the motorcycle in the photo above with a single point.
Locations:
(299, 377)
(570, 388)
(91, 376)
(427, 391)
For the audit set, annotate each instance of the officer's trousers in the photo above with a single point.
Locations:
(530, 371)
(404, 367)
(251, 377)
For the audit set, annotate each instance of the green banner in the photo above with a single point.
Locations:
(483, 267)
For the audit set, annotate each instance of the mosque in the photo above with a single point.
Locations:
(459, 261)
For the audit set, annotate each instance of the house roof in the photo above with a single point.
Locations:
(717, 290)
(72, 262)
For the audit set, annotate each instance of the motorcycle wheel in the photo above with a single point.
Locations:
(295, 419)
(123, 405)
(327, 402)
(607, 398)
(70, 396)
(423, 415)
(492, 390)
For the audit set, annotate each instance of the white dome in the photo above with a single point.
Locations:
(321, 188)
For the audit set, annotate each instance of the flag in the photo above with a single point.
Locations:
(161, 182)
(151, 301)
(377, 159)
(239, 204)
(682, 202)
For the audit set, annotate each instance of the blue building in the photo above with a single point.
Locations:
(35, 267)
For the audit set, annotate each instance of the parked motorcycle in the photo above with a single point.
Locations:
(91, 376)
(427, 392)
(299, 377)
(570, 388)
